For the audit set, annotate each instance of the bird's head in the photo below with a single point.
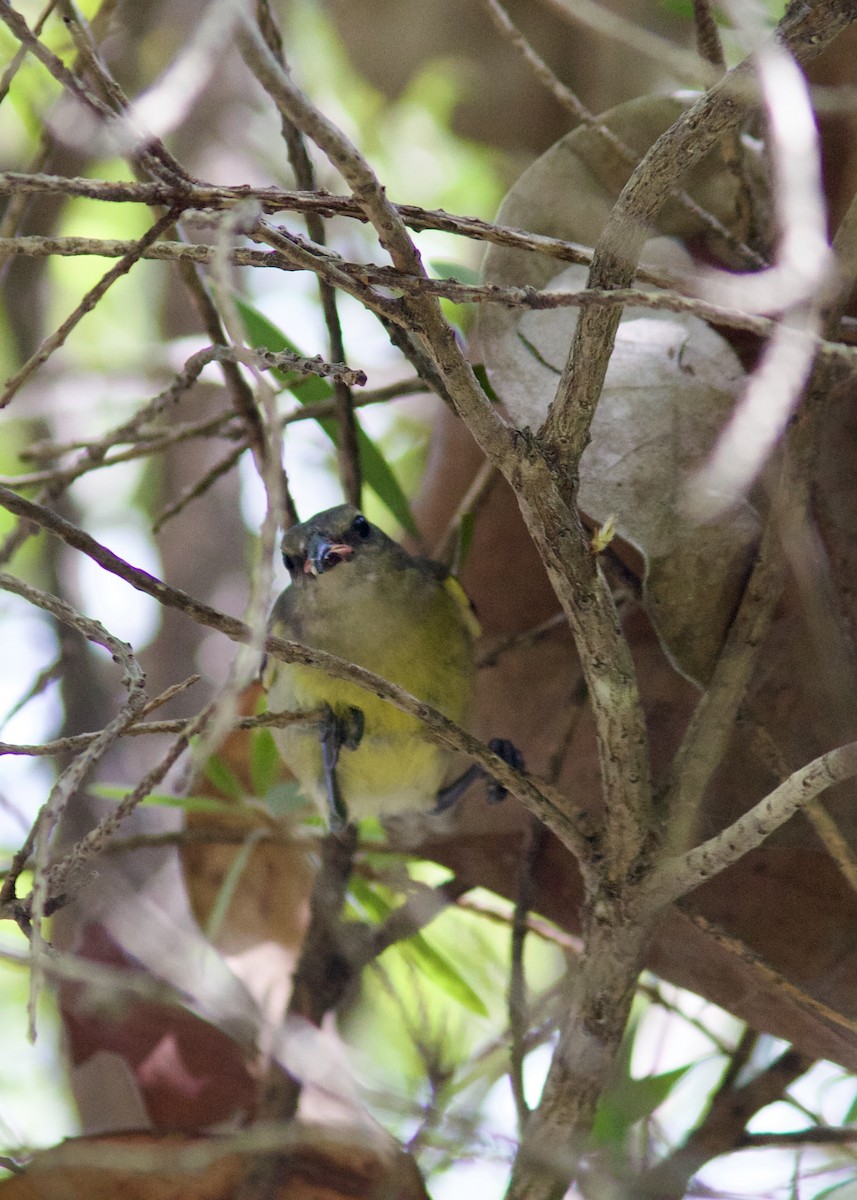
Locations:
(326, 540)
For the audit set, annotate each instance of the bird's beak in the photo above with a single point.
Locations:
(322, 554)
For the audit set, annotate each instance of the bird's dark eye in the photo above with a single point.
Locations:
(289, 563)
(361, 526)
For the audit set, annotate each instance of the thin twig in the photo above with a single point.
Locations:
(89, 301)
(21, 53)
(831, 836)
(67, 874)
(515, 641)
(347, 445)
(704, 743)
(448, 547)
(517, 1003)
(79, 741)
(193, 491)
(631, 36)
(149, 151)
(818, 1135)
(676, 876)
(31, 916)
(707, 36)
(96, 454)
(564, 96)
(354, 277)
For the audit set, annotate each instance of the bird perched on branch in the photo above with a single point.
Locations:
(358, 594)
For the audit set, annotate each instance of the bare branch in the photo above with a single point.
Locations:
(354, 277)
(347, 446)
(79, 741)
(707, 35)
(70, 779)
(677, 876)
(710, 728)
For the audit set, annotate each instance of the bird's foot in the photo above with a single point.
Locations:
(337, 732)
(512, 757)
(453, 792)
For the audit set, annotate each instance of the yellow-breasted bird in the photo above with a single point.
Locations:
(358, 594)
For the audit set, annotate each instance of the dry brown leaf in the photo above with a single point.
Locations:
(317, 1164)
(671, 383)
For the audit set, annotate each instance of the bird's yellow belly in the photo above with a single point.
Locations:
(394, 768)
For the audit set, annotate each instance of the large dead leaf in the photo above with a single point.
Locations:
(671, 383)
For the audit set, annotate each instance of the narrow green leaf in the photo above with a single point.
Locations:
(263, 334)
(371, 904)
(223, 777)
(379, 476)
(436, 967)
(367, 901)
(446, 269)
(484, 382)
(837, 1188)
(226, 891)
(107, 791)
(629, 1101)
(466, 530)
(264, 762)
(851, 1116)
(310, 389)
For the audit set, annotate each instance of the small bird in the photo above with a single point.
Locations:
(356, 593)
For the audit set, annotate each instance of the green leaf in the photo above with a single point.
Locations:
(284, 798)
(370, 902)
(484, 382)
(264, 762)
(466, 529)
(436, 967)
(223, 777)
(378, 474)
(372, 833)
(851, 1116)
(837, 1188)
(367, 901)
(446, 269)
(264, 335)
(310, 389)
(629, 1101)
(108, 791)
(227, 889)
